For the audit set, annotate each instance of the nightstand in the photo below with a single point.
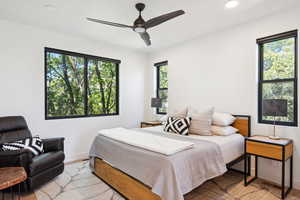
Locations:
(150, 124)
(280, 150)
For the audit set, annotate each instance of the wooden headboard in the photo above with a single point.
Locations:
(243, 124)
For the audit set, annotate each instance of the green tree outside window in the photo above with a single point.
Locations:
(78, 85)
(278, 78)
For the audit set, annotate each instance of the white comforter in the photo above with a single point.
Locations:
(155, 143)
(170, 177)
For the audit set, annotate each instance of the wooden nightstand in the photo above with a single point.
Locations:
(150, 124)
(280, 150)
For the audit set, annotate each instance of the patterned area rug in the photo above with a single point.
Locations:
(78, 183)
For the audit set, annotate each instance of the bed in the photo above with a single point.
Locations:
(139, 174)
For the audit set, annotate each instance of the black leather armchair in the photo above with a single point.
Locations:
(40, 169)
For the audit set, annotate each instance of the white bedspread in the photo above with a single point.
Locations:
(232, 146)
(170, 177)
(143, 140)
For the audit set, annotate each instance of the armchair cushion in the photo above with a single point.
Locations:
(53, 144)
(21, 158)
(45, 161)
(13, 128)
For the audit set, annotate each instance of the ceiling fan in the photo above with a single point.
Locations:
(140, 26)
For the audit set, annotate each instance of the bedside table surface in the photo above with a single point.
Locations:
(266, 139)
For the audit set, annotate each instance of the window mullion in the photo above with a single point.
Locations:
(278, 80)
(85, 86)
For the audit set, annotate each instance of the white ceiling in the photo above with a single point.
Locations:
(202, 17)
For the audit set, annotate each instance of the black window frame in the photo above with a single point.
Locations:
(158, 88)
(261, 81)
(86, 58)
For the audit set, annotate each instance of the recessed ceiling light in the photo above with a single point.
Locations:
(50, 6)
(232, 3)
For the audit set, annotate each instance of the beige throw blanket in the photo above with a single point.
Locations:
(155, 143)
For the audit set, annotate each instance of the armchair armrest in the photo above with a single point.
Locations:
(20, 158)
(53, 144)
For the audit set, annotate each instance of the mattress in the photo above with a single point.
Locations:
(231, 146)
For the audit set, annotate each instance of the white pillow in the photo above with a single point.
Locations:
(163, 118)
(178, 113)
(222, 119)
(223, 130)
(200, 121)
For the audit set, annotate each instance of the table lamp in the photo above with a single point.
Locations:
(274, 108)
(156, 102)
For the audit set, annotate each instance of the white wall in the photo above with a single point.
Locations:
(22, 84)
(220, 69)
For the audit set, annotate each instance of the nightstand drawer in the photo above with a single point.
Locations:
(263, 149)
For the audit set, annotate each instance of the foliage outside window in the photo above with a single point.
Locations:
(278, 75)
(79, 85)
(162, 86)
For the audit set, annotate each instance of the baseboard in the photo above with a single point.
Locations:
(76, 158)
(296, 184)
(75, 161)
(275, 180)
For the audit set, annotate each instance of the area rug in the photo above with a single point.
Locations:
(78, 183)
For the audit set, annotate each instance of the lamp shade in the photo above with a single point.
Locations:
(275, 107)
(156, 103)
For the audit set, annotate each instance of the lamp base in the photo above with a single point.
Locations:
(274, 137)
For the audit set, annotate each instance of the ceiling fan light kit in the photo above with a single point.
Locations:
(139, 29)
(140, 26)
(232, 4)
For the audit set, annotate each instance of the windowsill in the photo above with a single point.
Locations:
(285, 124)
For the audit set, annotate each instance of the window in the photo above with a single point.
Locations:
(79, 85)
(278, 75)
(162, 86)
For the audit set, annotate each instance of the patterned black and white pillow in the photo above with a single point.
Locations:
(178, 125)
(34, 144)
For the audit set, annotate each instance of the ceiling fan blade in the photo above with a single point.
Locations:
(163, 18)
(146, 37)
(108, 23)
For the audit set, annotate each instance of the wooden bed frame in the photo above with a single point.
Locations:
(133, 189)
